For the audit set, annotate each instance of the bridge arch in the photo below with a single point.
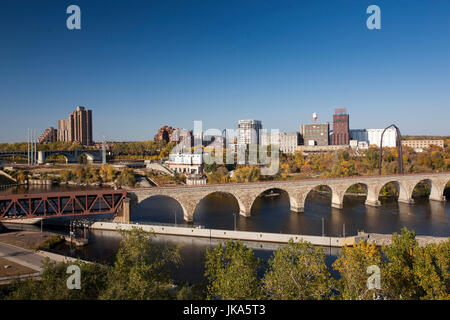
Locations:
(272, 192)
(356, 189)
(62, 154)
(206, 209)
(317, 188)
(89, 157)
(435, 189)
(186, 212)
(404, 191)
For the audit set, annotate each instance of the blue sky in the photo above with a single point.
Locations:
(143, 64)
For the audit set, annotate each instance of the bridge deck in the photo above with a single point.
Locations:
(314, 180)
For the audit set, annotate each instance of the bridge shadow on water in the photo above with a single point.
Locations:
(271, 213)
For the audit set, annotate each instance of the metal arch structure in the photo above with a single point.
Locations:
(399, 149)
(60, 204)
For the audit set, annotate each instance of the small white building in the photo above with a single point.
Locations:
(187, 163)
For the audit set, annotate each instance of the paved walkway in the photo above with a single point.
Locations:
(21, 256)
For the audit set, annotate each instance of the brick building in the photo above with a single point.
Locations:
(340, 135)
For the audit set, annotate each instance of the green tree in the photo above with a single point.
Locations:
(232, 272)
(53, 285)
(141, 269)
(398, 273)
(127, 178)
(297, 271)
(432, 270)
(66, 175)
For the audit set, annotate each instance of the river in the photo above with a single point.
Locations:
(269, 214)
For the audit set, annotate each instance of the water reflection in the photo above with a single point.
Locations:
(272, 214)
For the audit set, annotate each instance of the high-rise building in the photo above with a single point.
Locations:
(248, 132)
(77, 128)
(340, 135)
(48, 136)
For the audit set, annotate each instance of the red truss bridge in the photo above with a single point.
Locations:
(60, 204)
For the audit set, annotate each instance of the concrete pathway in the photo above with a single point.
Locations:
(25, 257)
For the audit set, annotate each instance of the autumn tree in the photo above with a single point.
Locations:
(352, 266)
(247, 174)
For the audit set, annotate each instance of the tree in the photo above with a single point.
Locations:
(399, 272)
(247, 174)
(352, 266)
(66, 175)
(232, 272)
(220, 175)
(141, 268)
(108, 173)
(432, 270)
(53, 285)
(127, 178)
(297, 271)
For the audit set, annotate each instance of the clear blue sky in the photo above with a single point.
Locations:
(142, 64)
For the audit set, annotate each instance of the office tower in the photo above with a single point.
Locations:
(77, 128)
(248, 132)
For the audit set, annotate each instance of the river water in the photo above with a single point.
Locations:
(269, 214)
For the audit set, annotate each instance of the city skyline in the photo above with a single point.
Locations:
(223, 62)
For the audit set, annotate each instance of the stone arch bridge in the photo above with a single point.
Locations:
(246, 193)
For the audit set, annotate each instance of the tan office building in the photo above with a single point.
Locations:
(422, 144)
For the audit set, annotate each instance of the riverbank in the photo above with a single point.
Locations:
(380, 239)
(376, 238)
(230, 234)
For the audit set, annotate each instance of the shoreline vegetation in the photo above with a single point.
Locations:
(295, 271)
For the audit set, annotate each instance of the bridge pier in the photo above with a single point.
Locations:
(437, 192)
(123, 214)
(245, 212)
(297, 209)
(407, 200)
(337, 196)
(373, 192)
(297, 205)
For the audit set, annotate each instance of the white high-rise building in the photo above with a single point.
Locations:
(248, 132)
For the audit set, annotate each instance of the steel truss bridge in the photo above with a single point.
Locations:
(60, 204)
